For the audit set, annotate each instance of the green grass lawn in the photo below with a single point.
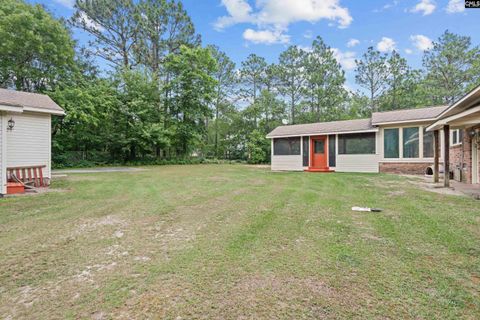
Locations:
(233, 241)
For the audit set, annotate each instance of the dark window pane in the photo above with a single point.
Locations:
(306, 149)
(332, 157)
(427, 144)
(319, 146)
(410, 142)
(357, 143)
(286, 146)
(454, 137)
(390, 143)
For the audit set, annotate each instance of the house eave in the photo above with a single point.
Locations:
(9, 108)
(320, 133)
(448, 120)
(402, 122)
(21, 109)
(50, 111)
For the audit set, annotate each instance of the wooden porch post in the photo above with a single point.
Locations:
(446, 156)
(436, 156)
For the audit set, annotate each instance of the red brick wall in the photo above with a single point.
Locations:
(404, 167)
(461, 157)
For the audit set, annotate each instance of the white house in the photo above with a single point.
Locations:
(393, 141)
(25, 135)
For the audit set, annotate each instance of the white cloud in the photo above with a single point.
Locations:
(352, 43)
(308, 34)
(408, 51)
(89, 22)
(455, 6)
(274, 16)
(239, 12)
(305, 48)
(426, 7)
(421, 42)
(387, 6)
(386, 45)
(346, 59)
(66, 3)
(265, 36)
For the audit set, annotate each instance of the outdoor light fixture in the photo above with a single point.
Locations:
(11, 124)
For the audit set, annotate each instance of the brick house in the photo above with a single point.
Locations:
(462, 120)
(410, 141)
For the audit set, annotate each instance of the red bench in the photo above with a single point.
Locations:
(28, 175)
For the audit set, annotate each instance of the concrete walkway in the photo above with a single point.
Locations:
(97, 170)
(456, 188)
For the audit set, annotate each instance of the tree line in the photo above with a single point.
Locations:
(161, 95)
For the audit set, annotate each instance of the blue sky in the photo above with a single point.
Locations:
(267, 27)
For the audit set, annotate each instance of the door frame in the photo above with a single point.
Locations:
(312, 151)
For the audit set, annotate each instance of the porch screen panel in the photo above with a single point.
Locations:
(427, 144)
(286, 146)
(356, 143)
(332, 157)
(306, 150)
(391, 143)
(410, 142)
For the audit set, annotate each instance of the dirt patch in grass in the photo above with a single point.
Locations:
(250, 297)
(427, 186)
(186, 242)
(96, 223)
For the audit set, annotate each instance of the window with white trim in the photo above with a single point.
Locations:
(456, 137)
(411, 142)
(407, 143)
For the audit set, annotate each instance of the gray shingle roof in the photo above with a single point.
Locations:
(429, 113)
(322, 128)
(28, 99)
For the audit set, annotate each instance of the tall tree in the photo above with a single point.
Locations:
(325, 81)
(402, 84)
(226, 80)
(112, 25)
(252, 74)
(371, 74)
(163, 26)
(192, 88)
(292, 76)
(451, 66)
(36, 50)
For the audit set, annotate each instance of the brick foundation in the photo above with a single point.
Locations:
(404, 167)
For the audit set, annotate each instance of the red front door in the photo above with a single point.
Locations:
(318, 147)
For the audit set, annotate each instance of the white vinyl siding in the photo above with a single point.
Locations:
(287, 163)
(290, 163)
(3, 154)
(359, 162)
(29, 143)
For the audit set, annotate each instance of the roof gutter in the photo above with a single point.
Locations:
(7, 108)
(319, 133)
(21, 109)
(50, 111)
(402, 122)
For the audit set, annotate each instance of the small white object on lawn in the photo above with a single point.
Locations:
(365, 209)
